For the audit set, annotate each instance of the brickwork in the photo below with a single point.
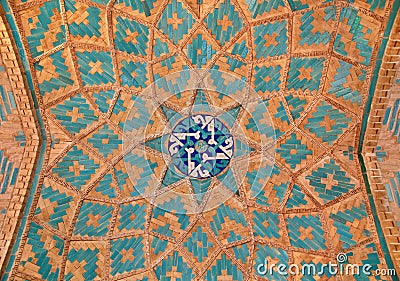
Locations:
(311, 64)
(381, 148)
(19, 142)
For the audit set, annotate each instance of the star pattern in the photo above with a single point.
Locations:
(97, 225)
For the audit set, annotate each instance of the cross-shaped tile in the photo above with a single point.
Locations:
(76, 168)
(131, 37)
(94, 220)
(74, 114)
(328, 123)
(175, 21)
(127, 255)
(306, 233)
(96, 67)
(329, 181)
(225, 23)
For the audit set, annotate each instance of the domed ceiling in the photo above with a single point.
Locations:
(287, 155)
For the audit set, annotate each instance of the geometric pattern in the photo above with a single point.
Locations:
(310, 63)
(328, 180)
(327, 123)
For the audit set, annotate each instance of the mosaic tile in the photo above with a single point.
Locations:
(259, 9)
(145, 10)
(270, 39)
(268, 77)
(271, 255)
(306, 232)
(56, 205)
(105, 140)
(159, 247)
(376, 6)
(366, 255)
(313, 29)
(240, 47)
(131, 37)
(86, 24)
(200, 244)
(298, 199)
(171, 64)
(127, 255)
(43, 251)
(326, 122)
(85, 261)
(103, 99)
(160, 46)
(76, 167)
(346, 84)
(175, 21)
(328, 180)
(308, 261)
(298, 104)
(124, 182)
(223, 266)
(266, 226)
(224, 22)
(93, 219)
(200, 49)
(356, 36)
(174, 267)
(45, 27)
(264, 191)
(75, 113)
(105, 188)
(60, 141)
(131, 216)
(95, 67)
(296, 150)
(228, 222)
(297, 5)
(348, 223)
(305, 74)
(296, 209)
(233, 66)
(170, 224)
(279, 115)
(55, 75)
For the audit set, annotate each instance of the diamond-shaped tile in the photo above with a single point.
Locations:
(86, 24)
(270, 39)
(306, 232)
(56, 75)
(224, 22)
(85, 260)
(356, 35)
(96, 67)
(328, 180)
(348, 223)
(94, 219)
(75, 113)
(326, 122)
(313, 29)
(131, 36)
(201, 49)
(127, 255)
(175, 21)
(105, 140)
(56, 205)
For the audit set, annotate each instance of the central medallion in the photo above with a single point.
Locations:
(201, 146)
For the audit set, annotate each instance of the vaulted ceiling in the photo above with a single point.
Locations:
(311, 65)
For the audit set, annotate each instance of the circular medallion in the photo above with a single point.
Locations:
(201, 146)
